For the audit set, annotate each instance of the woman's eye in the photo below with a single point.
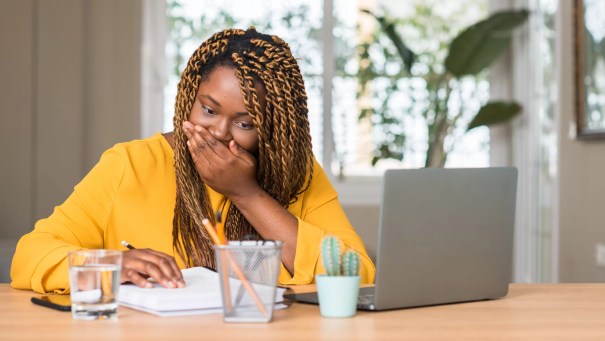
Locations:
(208, 110)
(246, 126)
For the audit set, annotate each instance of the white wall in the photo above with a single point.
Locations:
(582, 178)
(69, 89)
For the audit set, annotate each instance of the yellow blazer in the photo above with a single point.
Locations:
(130, 195)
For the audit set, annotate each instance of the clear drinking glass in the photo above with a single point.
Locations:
(94, 279)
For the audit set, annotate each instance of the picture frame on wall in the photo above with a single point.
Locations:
(589, 68)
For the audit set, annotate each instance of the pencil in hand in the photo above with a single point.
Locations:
(127, 245)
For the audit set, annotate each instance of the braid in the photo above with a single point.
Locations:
(285, 158)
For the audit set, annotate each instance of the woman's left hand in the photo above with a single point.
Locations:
(227, 169)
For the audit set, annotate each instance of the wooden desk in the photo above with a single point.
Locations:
(530, 312)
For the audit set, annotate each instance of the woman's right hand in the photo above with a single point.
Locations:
(140, 264)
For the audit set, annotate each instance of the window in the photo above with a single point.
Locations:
(534, 144)
(427, 27)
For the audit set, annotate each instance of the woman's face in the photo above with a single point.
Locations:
(219, 108)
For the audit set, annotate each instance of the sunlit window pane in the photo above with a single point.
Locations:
(427, 27)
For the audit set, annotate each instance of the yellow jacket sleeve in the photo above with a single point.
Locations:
(40, 260)
(321, 214)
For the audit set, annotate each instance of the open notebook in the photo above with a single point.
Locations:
(202, 295)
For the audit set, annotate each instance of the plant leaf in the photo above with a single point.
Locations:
(375, 160)
(481, 44)
(407, 56)
(365, 112)
(494, 112)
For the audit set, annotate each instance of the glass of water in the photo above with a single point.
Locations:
(94, 279)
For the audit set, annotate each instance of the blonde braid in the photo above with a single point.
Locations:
(192, 203)
(290, 94)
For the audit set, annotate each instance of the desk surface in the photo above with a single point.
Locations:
(529, 312)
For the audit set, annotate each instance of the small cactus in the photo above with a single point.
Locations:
(350, 263)
(330, 252)
(335, 264)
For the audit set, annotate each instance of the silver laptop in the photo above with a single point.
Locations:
(445, 236)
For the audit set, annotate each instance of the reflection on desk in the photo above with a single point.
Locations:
(529, 312)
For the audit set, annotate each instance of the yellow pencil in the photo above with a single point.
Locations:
(211, 232)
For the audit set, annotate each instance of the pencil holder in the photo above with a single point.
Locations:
(248, 272)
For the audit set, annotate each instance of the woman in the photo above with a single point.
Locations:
(241, 146)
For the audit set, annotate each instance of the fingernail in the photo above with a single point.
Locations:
(198, 129)
(181, 284)
(148, 285)
(170, 284)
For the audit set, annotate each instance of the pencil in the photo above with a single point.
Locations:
(220, 221)
(211, 231)
(127, 245)
(236, 268)
(220, 227)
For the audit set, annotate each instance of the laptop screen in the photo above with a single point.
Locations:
(445, 235)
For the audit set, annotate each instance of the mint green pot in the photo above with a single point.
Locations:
(337, 295)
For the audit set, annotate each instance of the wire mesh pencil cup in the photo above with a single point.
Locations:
(248, 272)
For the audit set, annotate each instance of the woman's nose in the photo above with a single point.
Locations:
(220, 130)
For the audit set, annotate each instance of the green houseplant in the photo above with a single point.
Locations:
(468, 55)
(339, 287)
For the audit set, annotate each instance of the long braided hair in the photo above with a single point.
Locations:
(285, 157)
